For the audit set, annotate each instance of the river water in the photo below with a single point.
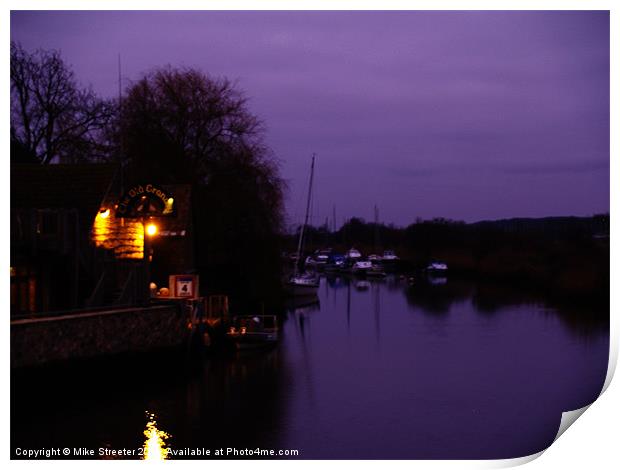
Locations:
(377, 369)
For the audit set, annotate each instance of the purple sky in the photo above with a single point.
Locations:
(466, 115)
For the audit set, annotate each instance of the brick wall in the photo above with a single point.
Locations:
(94, 334)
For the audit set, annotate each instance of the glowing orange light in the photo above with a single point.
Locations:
(155, 444)
(124, 236)
(151, 229)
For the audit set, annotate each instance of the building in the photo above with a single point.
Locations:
(52, 209)
(78, 239)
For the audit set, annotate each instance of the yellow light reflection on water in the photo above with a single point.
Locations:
(155, 443)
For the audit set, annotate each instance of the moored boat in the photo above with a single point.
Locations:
(335, 263)
(437, 267)
(250, 332)
(389, 256)
(361, 267)
(303, 284)
(353, 255)
(321, 257)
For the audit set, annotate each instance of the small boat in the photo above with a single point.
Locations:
(335, 263)
(301, 285)
(250, 332)
(374, 258)
(321, 257)
(353, 254)
(361, 267)
(389, 256)
(437, 267)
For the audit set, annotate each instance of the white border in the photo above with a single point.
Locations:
(593, 442)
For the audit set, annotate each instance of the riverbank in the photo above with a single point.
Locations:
(566, 257)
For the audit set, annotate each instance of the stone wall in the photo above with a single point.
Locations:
(38, 341)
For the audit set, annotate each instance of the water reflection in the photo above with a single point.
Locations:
(436, 298)
(155, 444)
(423, 370)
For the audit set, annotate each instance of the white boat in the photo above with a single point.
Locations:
(353, 254)
(301, 285)
(321, 257)
(360, 267)
(437, 267)
(249, 332)
(389, 255)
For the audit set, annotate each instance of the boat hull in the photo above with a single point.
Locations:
(301, 290)
(250, 341)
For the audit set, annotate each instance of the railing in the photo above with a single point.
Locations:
(75, 311)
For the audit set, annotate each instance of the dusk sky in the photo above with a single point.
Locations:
(464, 115)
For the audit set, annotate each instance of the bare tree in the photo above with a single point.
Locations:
(184, 122)
(51, 117)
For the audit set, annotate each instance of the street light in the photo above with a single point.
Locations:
(151, 229)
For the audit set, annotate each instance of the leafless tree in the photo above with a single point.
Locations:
(51, 117)
(187, 121)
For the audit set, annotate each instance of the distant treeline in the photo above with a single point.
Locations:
(567, 256)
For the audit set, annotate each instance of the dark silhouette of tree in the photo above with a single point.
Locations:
(182, 126)
(51, 117)
(19, 153)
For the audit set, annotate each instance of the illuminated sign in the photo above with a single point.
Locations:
(146, 200)
(183, 285)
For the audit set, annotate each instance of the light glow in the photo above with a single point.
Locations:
(151, 229)
(124, 236)
(155, 444)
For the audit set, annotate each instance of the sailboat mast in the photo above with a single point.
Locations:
(301, 234)
(376, 241)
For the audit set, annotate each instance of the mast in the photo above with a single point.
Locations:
(301, 233)
(120, 109)
(376, 241)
